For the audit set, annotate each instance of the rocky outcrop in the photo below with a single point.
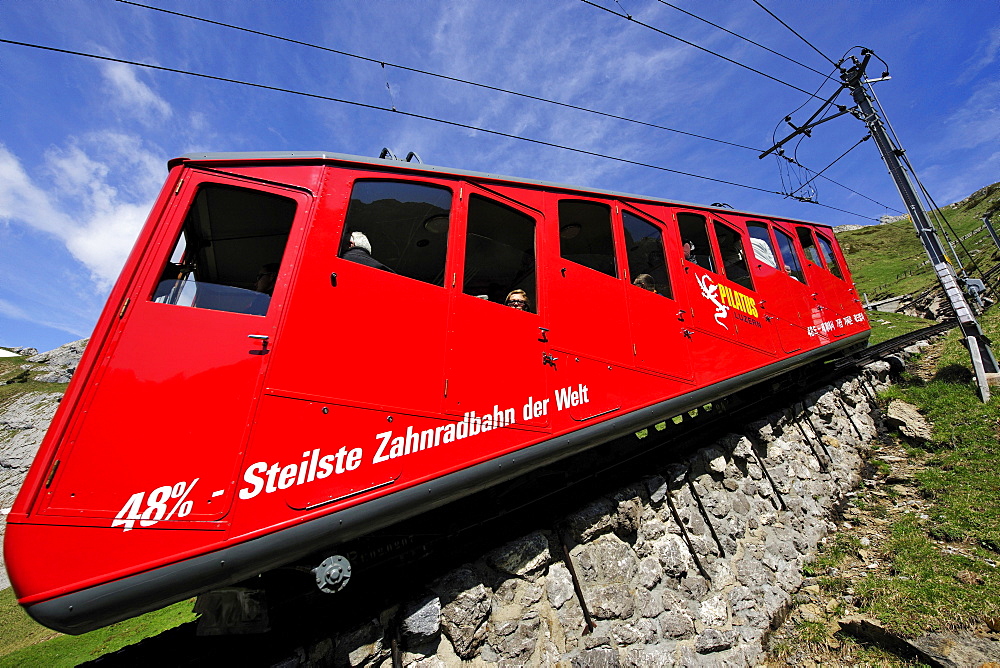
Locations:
(689, 566)
(25, 418)
(58, 365)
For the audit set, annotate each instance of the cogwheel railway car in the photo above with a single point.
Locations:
(306, 347)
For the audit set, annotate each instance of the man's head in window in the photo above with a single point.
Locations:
(266, 278)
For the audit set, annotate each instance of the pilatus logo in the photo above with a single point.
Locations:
(725, 298)
(710, 291)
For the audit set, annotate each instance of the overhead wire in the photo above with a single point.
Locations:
(835, 161)
(827, 77)
(795, 33)
(628, 17)
(409, 114)
(745, 39)
(438, 75)
(383, 64)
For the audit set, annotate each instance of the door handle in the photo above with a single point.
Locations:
(263, 338)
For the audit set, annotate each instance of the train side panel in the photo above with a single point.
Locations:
(266, 377)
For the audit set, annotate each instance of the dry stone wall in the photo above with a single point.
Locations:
(690, 566)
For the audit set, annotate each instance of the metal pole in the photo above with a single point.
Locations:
(979, 349)
(989, 228)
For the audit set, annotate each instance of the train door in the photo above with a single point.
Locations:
(184, 366)
(843, 287)
(827, 288)
(724, 303)
(363, 343)
(587, 309)
(659, 335)
(748, 326)
(778, 272)
(495, 355)
(370, 303)
(810, 315)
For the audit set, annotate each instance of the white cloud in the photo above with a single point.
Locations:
(133, 95)
(985, 55)
(977, 121)
(77, 203)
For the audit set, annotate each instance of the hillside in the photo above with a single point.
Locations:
(888, 260)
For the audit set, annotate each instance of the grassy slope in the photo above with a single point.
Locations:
(944, 560)
(889, 325)
(885, 260)
(25, 643)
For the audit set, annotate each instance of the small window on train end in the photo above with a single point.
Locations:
(789, 257)
(760, 244)
(829, 256)
(647, 265)
(500, 255)
(734, 260)
(694, 237)
(585, 235)
(399, 227)
(808, 245)
(228, 253)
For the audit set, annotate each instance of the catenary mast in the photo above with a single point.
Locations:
(853, 79)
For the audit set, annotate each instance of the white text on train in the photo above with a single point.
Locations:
(262, 477)
(390, 447)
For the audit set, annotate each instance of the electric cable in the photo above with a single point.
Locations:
(692, 44)
(437, 75)
(780, 155)
(795, 33)
(384, 64)
(408, 114)
(859, 142)
(745, 39)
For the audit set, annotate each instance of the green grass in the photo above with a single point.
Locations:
(10, 370)
(928, 588)
(25, 643)
(833, 554)
(887, 260)
(943, 562)
(886, 326)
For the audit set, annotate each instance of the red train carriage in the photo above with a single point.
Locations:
(265, 383)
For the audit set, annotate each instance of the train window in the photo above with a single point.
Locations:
(808, 246)
(694, 236)
(786, 246)
(226, 257)
(647, 266)
(403, 226)
(734, 260)
(760, 244)
(831, 260)
(499, 253)
(585, 235)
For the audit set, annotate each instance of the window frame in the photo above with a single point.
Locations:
(616, 270)
(661, 229)
(446, 186)
(735, 230)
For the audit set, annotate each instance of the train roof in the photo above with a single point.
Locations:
(382, 163)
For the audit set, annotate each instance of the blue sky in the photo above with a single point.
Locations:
(84, 142)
